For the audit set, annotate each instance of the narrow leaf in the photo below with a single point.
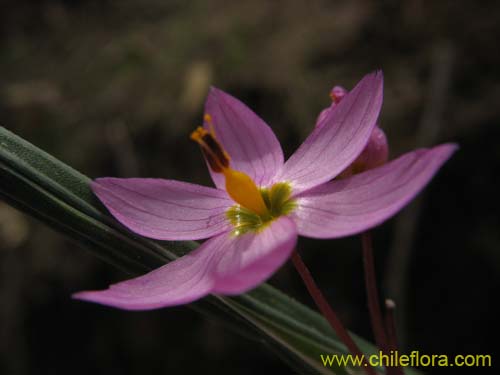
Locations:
(59, 196)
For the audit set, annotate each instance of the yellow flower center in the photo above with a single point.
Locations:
(278, 203)
(256, 207)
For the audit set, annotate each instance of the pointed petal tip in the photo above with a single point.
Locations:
(220, 97)
(87, 296)
(377, 76)
(445, 150)
(77, 295)
(360, 202)
(342, 136)
(250, 142)
(375, 80)
(217, 92)
(99, 297)
(81, 296)
(451, 146)
(213, 89)
(218, 266)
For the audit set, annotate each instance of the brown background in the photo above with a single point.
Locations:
(114, 88)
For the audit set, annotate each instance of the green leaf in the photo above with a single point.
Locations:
(59, 196)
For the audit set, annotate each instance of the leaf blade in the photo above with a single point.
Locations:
(44, 187)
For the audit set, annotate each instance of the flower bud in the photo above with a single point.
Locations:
(376, 151)
(336, 94)
(375, 154)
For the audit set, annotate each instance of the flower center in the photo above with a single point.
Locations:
(239, 185)
(278, 203)
(255, 207)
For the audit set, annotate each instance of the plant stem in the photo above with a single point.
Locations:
(327, 310)
(377, 322)
(392, 340)
(390, 324)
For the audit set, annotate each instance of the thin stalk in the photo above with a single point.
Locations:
(372, 292)
(392, 340)
(327, 310)
(390, 325)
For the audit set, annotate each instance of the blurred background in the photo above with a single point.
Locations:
(114, 88)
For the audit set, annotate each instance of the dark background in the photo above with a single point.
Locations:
(114, 88)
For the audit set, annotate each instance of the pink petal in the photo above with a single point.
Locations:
(224, 264)
(165, 209)
(181, 281)
(360, 202)
(341, 137)
(249, 141)
(250, 259)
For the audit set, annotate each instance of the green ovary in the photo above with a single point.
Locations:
(278, 203)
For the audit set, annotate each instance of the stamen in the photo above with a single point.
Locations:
(217, 158)
(239, 185)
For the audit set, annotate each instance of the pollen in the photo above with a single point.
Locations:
(207, 118)
(240, 187)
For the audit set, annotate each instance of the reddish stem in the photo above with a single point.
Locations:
(327, 311)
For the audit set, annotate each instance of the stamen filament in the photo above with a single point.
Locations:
(239, 185)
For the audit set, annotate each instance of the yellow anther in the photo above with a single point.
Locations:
(217, 158)
(239, 185)
(198, 134)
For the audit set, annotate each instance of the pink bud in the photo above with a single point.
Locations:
(375, 154)
(336, 94)
(376, 151)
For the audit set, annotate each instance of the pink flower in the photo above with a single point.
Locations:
(261, 203)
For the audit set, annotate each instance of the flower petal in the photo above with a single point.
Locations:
(252, 258)
(165, 209)
(181, 281)
(249, 141)
(357, 203)
(224, 264)
(341, 137)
